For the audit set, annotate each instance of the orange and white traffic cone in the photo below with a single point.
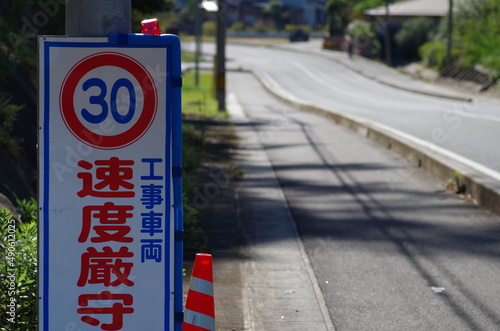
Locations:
(199, 314)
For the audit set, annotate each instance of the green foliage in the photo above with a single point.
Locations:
(294, 27)
(16, 48)
(363, 34)
(433, 54)
(18, 274)
(193, 145)
(143, 9)
(413, 34)
(338, 12)
(361, 30)
(28, 210)
(209, 29)
(195, 237)
(476, 31)
(198, 100)
(476, 27)
(275, 10)
(8, 115)
(20, 23)
(193, 148)
(237, 27)
(262, 26)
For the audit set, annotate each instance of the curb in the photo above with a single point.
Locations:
(352, 67)
(480, 183)
(408, 89)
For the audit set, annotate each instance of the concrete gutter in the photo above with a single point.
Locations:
(409, 89)
(472, 179)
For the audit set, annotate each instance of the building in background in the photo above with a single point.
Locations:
(301, 12)
(402, 11)
(306, 12)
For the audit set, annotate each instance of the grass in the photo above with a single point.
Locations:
(199, 100)
(198, 104)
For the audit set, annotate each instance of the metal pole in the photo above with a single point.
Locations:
(220, 88)
(97, 18)
(198, 44)
(450, 33)
(388, 55)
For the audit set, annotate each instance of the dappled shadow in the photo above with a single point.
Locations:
(429, 237)
(380, 234)
(350, 215)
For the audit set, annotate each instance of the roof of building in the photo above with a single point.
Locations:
(413, 8)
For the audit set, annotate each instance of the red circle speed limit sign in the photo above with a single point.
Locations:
(108, 100)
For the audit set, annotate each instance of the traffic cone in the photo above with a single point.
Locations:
(199, 314)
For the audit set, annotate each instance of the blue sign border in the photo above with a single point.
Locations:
(173, 94)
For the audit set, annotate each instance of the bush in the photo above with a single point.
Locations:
(262, 26)
(413, 34)
(361, 30)
(237, 27)
(480, 43)
(433, 54)
(8, 116)
(18, 273)
(294, 27)
(364, 35)
(338, 12)
(209, 29)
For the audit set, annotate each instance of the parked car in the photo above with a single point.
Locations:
(332, 41)
(298, 35)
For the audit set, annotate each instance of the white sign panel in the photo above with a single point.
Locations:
(108, 215)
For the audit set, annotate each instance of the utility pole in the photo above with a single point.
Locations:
(198, 34)
(97, 18)
(387, 36)
(220, 65)
(450, 33)
(219, 8)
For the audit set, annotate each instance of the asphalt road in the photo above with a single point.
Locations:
(390, 248)
(469, 129)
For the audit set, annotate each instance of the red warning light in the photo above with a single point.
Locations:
(151, 26)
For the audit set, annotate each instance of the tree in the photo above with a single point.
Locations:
(475, 34)
(275, 10)
(20, 23)
(477, 27)
(142, 8)
(413, 34)
(338, 12)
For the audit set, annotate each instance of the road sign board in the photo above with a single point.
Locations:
(110, 242)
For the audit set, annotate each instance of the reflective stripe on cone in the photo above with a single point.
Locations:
(199, 314)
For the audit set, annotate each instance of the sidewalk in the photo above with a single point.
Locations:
(280, 290)
(263, 280)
